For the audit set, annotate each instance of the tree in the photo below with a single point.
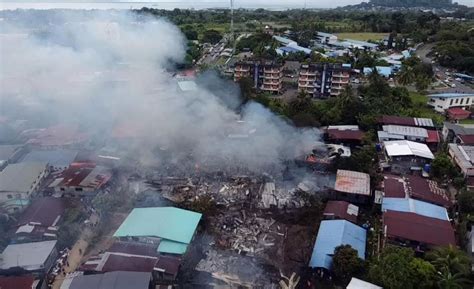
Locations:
(246, 85)
(443, 168)
(423, 272)
(406, 75)
(346, 264)
(211, 36)
(466, 202)
(452, 267)
(392, 268)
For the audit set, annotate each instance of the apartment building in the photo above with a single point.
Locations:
(267, 76)
(323, 80)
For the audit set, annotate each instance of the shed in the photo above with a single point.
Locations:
(352, 182)
(415, 206)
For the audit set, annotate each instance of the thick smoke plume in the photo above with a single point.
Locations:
(110, 72)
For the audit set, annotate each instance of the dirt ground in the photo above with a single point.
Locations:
(74, 259)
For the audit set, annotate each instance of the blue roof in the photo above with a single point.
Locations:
(283, 39)
(172, 225)
(57, 158)
(382, 70)
(415, 206)
(406, 53)
(288, 49)
(333, 233)
(450, 95)
(462, 75)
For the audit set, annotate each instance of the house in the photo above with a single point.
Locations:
(420, 232)
(81, 179)
(399, 132)
(19, 282)
(344, 134)
(58, 160)
(385, 71)
(18, 182)
(173, 229)
(325, 38)
(444, 101)
(360, 284)
(415, 206)
(463, 157)
(9, 154)
(323, 80)
(352, 186)
(404, 155)
(334, 233)
(341, 210)
(458, 133)
(457, 113)
(110, 280)
(40, 220)
(36, 257)
(406, 121)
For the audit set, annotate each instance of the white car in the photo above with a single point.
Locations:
(453, 85)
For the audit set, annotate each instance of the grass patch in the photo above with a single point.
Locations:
(421, 108)
(467, 121)
(362, 36)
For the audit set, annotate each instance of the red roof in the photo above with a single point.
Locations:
(129, 263)
(467, 139)
(393, 187)
(168, 264)
(43, 211)
(350, 135)
(414, 227)
(458, 113)
(17, 282)
(428, 190)
(397, 120)
(433, 136)
(338, 209)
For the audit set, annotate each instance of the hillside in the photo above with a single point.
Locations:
(413, 3)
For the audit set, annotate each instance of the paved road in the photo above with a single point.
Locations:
(441, 72)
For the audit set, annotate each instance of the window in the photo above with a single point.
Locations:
(457, 100)
(467, 100)
(78, 189)
(9, 196)
(451, 102)
(62, 189)
(462, 100)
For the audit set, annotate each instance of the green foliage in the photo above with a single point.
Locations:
(254, 41)
(452, 266)
(346, 264)
(70, 228)
(442, 168)
(211, 36)
(466, 201)
(398, 268)
(107, 203)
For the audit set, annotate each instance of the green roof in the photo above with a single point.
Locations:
(172, 247)
(168, 223)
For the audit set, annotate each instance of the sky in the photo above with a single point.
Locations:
(298, 3)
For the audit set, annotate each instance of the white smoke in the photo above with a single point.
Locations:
(109, 69)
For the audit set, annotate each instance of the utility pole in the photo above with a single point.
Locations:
(232, 36)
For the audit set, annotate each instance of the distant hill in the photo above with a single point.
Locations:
(413, 3)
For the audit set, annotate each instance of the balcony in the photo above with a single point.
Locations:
(270, 87)
(242, 69)
(306, 85)
(272, 75)
(272, 81)
(343, 75)
(307, 73)
(272, 70)
(340, 80)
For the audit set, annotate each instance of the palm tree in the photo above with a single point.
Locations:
(452, 266)
(406, 75)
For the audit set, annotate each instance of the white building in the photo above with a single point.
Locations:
(36, 257)
(360, 284)
(463, 156)
(326, 38)
(405, 148)
(399, 132)
(19, 181)
(443, 101)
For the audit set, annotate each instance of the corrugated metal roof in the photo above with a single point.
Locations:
(333, 233)
(406, 131)
(352, 182)
(30, 256)
(407, 148)
(17, 282)
(169, 223)
(415, 206)
(411, 226)
(60, 158)
(20, 177)
(112, 280)
(360, 284)
(450, 95)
